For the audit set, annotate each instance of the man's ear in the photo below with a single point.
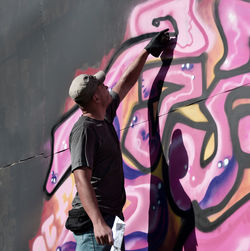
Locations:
(96, 98)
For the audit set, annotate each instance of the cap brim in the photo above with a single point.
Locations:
(100, 76)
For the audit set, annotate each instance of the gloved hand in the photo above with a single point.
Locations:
(158, 43)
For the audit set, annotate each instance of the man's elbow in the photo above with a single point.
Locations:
(82, 176)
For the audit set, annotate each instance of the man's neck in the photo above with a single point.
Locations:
(95, 111)
(96, 115)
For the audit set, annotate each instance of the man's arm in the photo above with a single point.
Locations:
(131, 75)
(103, 233)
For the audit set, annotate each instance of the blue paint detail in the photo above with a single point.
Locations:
(117, 126)
(217, 182)
(145, 92)
(187, 67)
(144, 135)
(67, 246)
(220, 164)
(53, 177)
(136, 235)
(130, 173)
(225, 162)
(135, 119)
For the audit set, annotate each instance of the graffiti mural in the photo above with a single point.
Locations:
(184, 133)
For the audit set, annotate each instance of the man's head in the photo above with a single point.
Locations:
(84, 86)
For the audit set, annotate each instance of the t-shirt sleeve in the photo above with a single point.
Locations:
(111, 110)
(82, 148)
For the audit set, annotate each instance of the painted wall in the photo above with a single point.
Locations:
(184, 128)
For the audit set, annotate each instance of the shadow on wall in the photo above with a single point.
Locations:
(180, 202)
(177, 200)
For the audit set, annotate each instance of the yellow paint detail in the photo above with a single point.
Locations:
(242, 101)
(193, 112)
(158, 170)
(210, 147)
(127, 204)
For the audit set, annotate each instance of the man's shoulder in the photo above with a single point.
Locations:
(81, 124)
(85, 123)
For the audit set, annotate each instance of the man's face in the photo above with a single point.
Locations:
(103, 94)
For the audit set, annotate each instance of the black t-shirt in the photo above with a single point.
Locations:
(94, 144)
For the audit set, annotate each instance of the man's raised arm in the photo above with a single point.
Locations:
(132, 73)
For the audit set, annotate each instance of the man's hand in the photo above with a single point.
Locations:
(158, 43)
(103, 233)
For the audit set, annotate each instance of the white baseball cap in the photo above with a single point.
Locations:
(84, 86)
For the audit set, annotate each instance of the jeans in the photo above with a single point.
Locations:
(87, 241)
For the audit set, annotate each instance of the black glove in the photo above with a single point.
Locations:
(158, 43)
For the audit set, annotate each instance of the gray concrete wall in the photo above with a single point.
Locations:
(42, 43)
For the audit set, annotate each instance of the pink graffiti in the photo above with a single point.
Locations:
(232, 235)
(244, 134)
(136, 204)
(52, 232)
(190, 80)
(61, 154)
(197, 35)
(203, 177)
(140, 132)
(193, 32)
(234, 19)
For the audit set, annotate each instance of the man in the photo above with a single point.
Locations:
(95, 152)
